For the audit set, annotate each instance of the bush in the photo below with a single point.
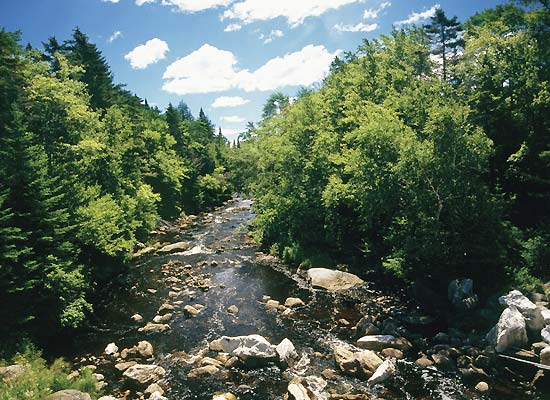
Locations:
(39, 380)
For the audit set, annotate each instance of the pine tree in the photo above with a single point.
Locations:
(97, 74)
(185, 111)
(444, 34)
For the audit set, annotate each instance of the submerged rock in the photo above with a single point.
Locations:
(332, 280)
(144, 373)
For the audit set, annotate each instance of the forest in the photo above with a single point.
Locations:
(424, 155)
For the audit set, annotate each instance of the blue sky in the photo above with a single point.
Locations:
(226, 56)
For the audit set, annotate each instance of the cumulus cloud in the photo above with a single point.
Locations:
(210, 69)
(149, 53)
(232, 119)
(416, 17)
(226, 101)
(142, 2)
(276, 33)
(295, 11)
(372, 13)
(232, 28)
(110, 1)
(360, 27)
(114, 36)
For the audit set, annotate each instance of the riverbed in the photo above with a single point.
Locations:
(219, 267)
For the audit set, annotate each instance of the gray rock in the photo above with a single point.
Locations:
(385, 371)
(332, 280)
(545, 356)
(157, 396)
(69, 394)
(545, 334)
(534, 320)
(144, 374)
(145, 349)
(365, 327)
(12, 372)
(509, 331)
(308, 388)
(180, 246)
(461, 294)
(361, 363)
(545, 315)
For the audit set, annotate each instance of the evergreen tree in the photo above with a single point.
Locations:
(444, 34)
(185, 111)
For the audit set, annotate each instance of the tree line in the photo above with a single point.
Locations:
(424, 154)
(86, 171)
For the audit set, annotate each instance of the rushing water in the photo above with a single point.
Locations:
(219, 250)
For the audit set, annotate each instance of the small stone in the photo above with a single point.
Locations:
(224, 396)
(424, 362)
(206, 370)
(392, 353)
(152, 291)
(272, 304)
(137, 317)
(162, 318)
(154, 328)
(233, 309)
(190, 310)
(292, 302)
(153, 387)
(482, 387)
(329, 374)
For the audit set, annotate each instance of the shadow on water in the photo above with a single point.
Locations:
(218, 250)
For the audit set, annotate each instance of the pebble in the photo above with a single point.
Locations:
(482, 387)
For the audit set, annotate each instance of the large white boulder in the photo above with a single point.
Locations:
(509, 331)
(534, 320)
(144, 373)
(332, 280)
(111, 349)
(248, 347)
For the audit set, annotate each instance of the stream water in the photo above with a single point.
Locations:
(218, 250)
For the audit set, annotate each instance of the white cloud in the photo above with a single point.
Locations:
(110, 1)
(372, 13)
(142, 2)
(210, 69)
(360, 27)
(416, 17)
(232, 28)
(149, 53)
(232, 133)
(226, 101)
(195, 5)
(276, 33)
(114, 36)
(295, 11)
(232, 119)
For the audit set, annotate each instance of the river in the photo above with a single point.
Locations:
(218, 250)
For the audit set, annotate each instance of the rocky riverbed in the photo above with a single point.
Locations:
(202, 315)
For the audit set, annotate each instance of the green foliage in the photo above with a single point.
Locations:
(39, 380)
(86, 171)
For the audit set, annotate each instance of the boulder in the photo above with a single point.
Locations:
(332, 280)
(509, 331)
(111, 349)
(201, 371)
(365, 327)
(392, 353)
(286, 351)
(180, 246)
(224, 396)
(144, 374)
(292, 302)
(145, 349)
(308, 388)
(361, 363)
(248, 347)
(154, 328)
(385, 371)
(12, 372)
(69, 394)
(461, 294)
(424, 362)
(380, 342)
(534, 320)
